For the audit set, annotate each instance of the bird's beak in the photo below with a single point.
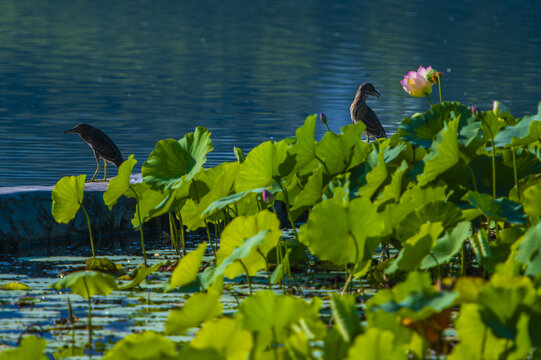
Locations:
(376, 93)
(69, 131)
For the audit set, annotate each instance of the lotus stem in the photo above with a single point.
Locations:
(89, 231)
(89, 319)
(247, 275)
(429, 101)
(515, 172)
(140, 226)
(323, 163)
(493, 152)
(286, 198)
(181, 233)
(327, 126)
(173, 232)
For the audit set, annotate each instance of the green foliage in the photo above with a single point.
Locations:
(187, 269)
(144, 346)
(226, 337)
(31, 347)
(142, 273)
(9, 286)
(67, 197)
(120, 184)
(526, 131)
(87, 283)
(199, 308)
(173, 162)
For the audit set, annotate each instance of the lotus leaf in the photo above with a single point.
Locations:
(226, 336)
(31, 347)
(199, 308)
(67, 197)
(120, 184)
(87, 283)
(143, 346)
(187, 268)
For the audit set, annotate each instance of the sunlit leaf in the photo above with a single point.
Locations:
(142, 273)
(235, 236)
(172, 162)
(226, 336)
(305, 148)
(67, 197)
(442, 155)
(199, 308)
(267, 313)
(87, 283)
(14, 286)
(532, 200)
(230, 200)
(447, 246)
(187, 268)
(120, 184)
(31, 347)
(352, 236)
(145, 345)
(346, 316)
(529, 250)
(375, 177)
(376, 344)
(264, 165)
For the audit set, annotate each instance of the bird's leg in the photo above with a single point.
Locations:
(97, 169)
(105, 177)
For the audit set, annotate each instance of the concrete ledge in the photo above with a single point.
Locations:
(26, 219)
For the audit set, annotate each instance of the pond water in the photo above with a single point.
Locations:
(249, 71)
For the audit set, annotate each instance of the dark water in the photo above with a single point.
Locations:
(247, 70)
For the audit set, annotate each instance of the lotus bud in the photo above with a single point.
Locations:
(416, 83)
(323, 118)
(474, 110)
(267, 196)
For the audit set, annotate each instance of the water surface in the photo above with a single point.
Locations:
(249, 71)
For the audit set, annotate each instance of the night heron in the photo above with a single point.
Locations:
(361, 112)
(103, 147)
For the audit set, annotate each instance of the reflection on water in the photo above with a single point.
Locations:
(249, 71)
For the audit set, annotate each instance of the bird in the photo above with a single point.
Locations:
(102, 145)
(361, 112)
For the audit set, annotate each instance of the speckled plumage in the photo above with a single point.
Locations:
(101, 144)
(361, 112)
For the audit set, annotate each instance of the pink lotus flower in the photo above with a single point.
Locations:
(267, 196)
(416, 84)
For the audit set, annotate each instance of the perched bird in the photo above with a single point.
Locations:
(103, 147)
(361, 112)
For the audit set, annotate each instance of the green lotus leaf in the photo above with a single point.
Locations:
(145, 345)
(235, 236)
(529, 250)
(226, 336)
(67, 197)
(149, 203)
(14, 286)
(531, 200)
(353, 235)
(414, 298)
(199, 308)
(376, 344)
(268, 313)
(346, 316)
(443, 154)
(142, 273)
(187, 268)
(265, 164)
(233, 199)
(437, 211)
(526, 131)
(31, 347)
(504, 300)
(447, 246)
(173, 162)
(311, 192)
(416, 248)
(221, 188)
(375, 177)
(305, 148)
(468, 326)
(500, 209)
(87, 283)
(393, 191)
(120, 184)
(342, 151)
(421, 129)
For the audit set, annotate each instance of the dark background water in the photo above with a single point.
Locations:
(249, 71)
